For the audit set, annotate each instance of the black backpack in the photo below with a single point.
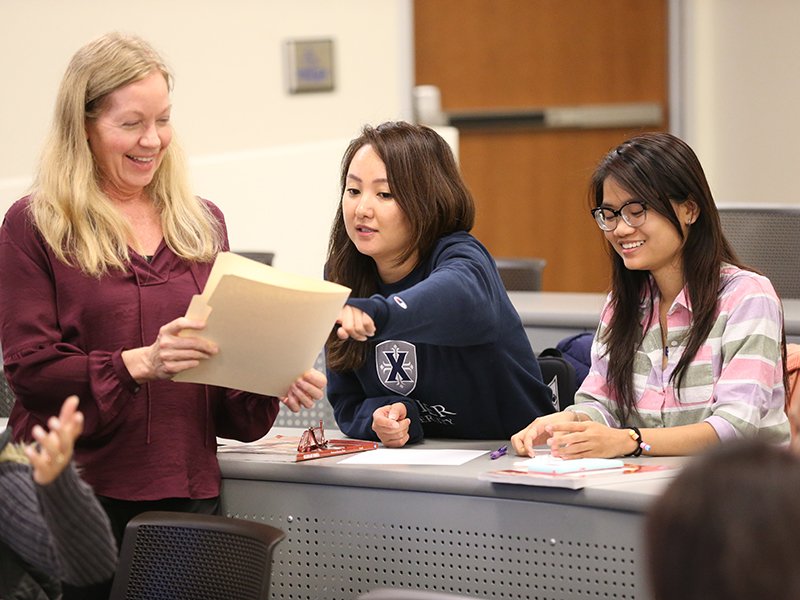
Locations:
(559, 374)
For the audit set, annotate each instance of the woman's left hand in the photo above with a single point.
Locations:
(305, 390)
(55, 446)
(588, 439)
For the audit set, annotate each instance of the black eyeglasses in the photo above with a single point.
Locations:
(634, 213)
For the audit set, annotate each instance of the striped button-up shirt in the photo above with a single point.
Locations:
(735, 381)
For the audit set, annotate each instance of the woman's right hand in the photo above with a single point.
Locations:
(535, 434)
(171, 353)
(354, 323)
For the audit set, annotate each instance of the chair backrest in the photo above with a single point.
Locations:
(185, 556)
(765, 238)
(262, 257)
(7, 397)
(521, 274)
(559, 374)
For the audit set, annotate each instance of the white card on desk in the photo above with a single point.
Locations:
(410, 456)
(553, 464)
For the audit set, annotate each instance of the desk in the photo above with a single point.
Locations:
(352, 528)
(549, 317)
(791, 319)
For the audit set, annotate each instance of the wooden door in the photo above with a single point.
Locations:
(530, 185)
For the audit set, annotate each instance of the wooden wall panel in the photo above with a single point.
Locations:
(530, 186)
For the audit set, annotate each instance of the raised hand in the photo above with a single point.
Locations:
(55, 446)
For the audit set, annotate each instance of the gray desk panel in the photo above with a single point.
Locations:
(342, 542)
(462, 480)
(791, 319)
(351, 528)
(549, 317)
(558, 309)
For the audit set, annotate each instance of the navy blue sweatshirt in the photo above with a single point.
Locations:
(449, 345)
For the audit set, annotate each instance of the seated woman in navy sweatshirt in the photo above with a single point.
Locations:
(429, 343)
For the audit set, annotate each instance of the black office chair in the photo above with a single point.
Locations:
(7, 397)
(521, 274)
(559, 374)
(262, 257)
(765, 238)
(185, 556)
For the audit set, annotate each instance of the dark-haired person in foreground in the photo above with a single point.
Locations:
(726, 528)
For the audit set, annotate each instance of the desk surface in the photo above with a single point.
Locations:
(573, 310)
(558, 309)
(352, 528)
(459, 480)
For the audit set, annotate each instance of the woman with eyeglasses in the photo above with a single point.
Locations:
(689, 350)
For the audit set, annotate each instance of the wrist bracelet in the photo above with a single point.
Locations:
(636, 436)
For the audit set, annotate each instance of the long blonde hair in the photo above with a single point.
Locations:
(68, 206)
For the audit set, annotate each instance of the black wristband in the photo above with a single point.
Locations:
(636, 437)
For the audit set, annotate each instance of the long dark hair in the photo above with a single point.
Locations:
(428, 187)
(727, 527)
(659, 169)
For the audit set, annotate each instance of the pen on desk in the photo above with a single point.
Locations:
(499, 452)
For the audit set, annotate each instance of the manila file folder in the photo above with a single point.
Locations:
(269, 325)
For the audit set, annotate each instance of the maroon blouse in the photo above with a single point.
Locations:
(63, 332)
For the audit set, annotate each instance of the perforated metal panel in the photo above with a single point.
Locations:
(342, 542)
(767, 240)
(307, 417)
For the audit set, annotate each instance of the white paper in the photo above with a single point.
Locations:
(269, 325)
(410, 456)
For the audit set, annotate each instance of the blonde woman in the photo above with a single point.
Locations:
(98, 265)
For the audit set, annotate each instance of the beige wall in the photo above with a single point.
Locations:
(270, 160)
(267, 158)
(740, 94)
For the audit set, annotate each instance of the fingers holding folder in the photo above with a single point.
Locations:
(269, 327)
